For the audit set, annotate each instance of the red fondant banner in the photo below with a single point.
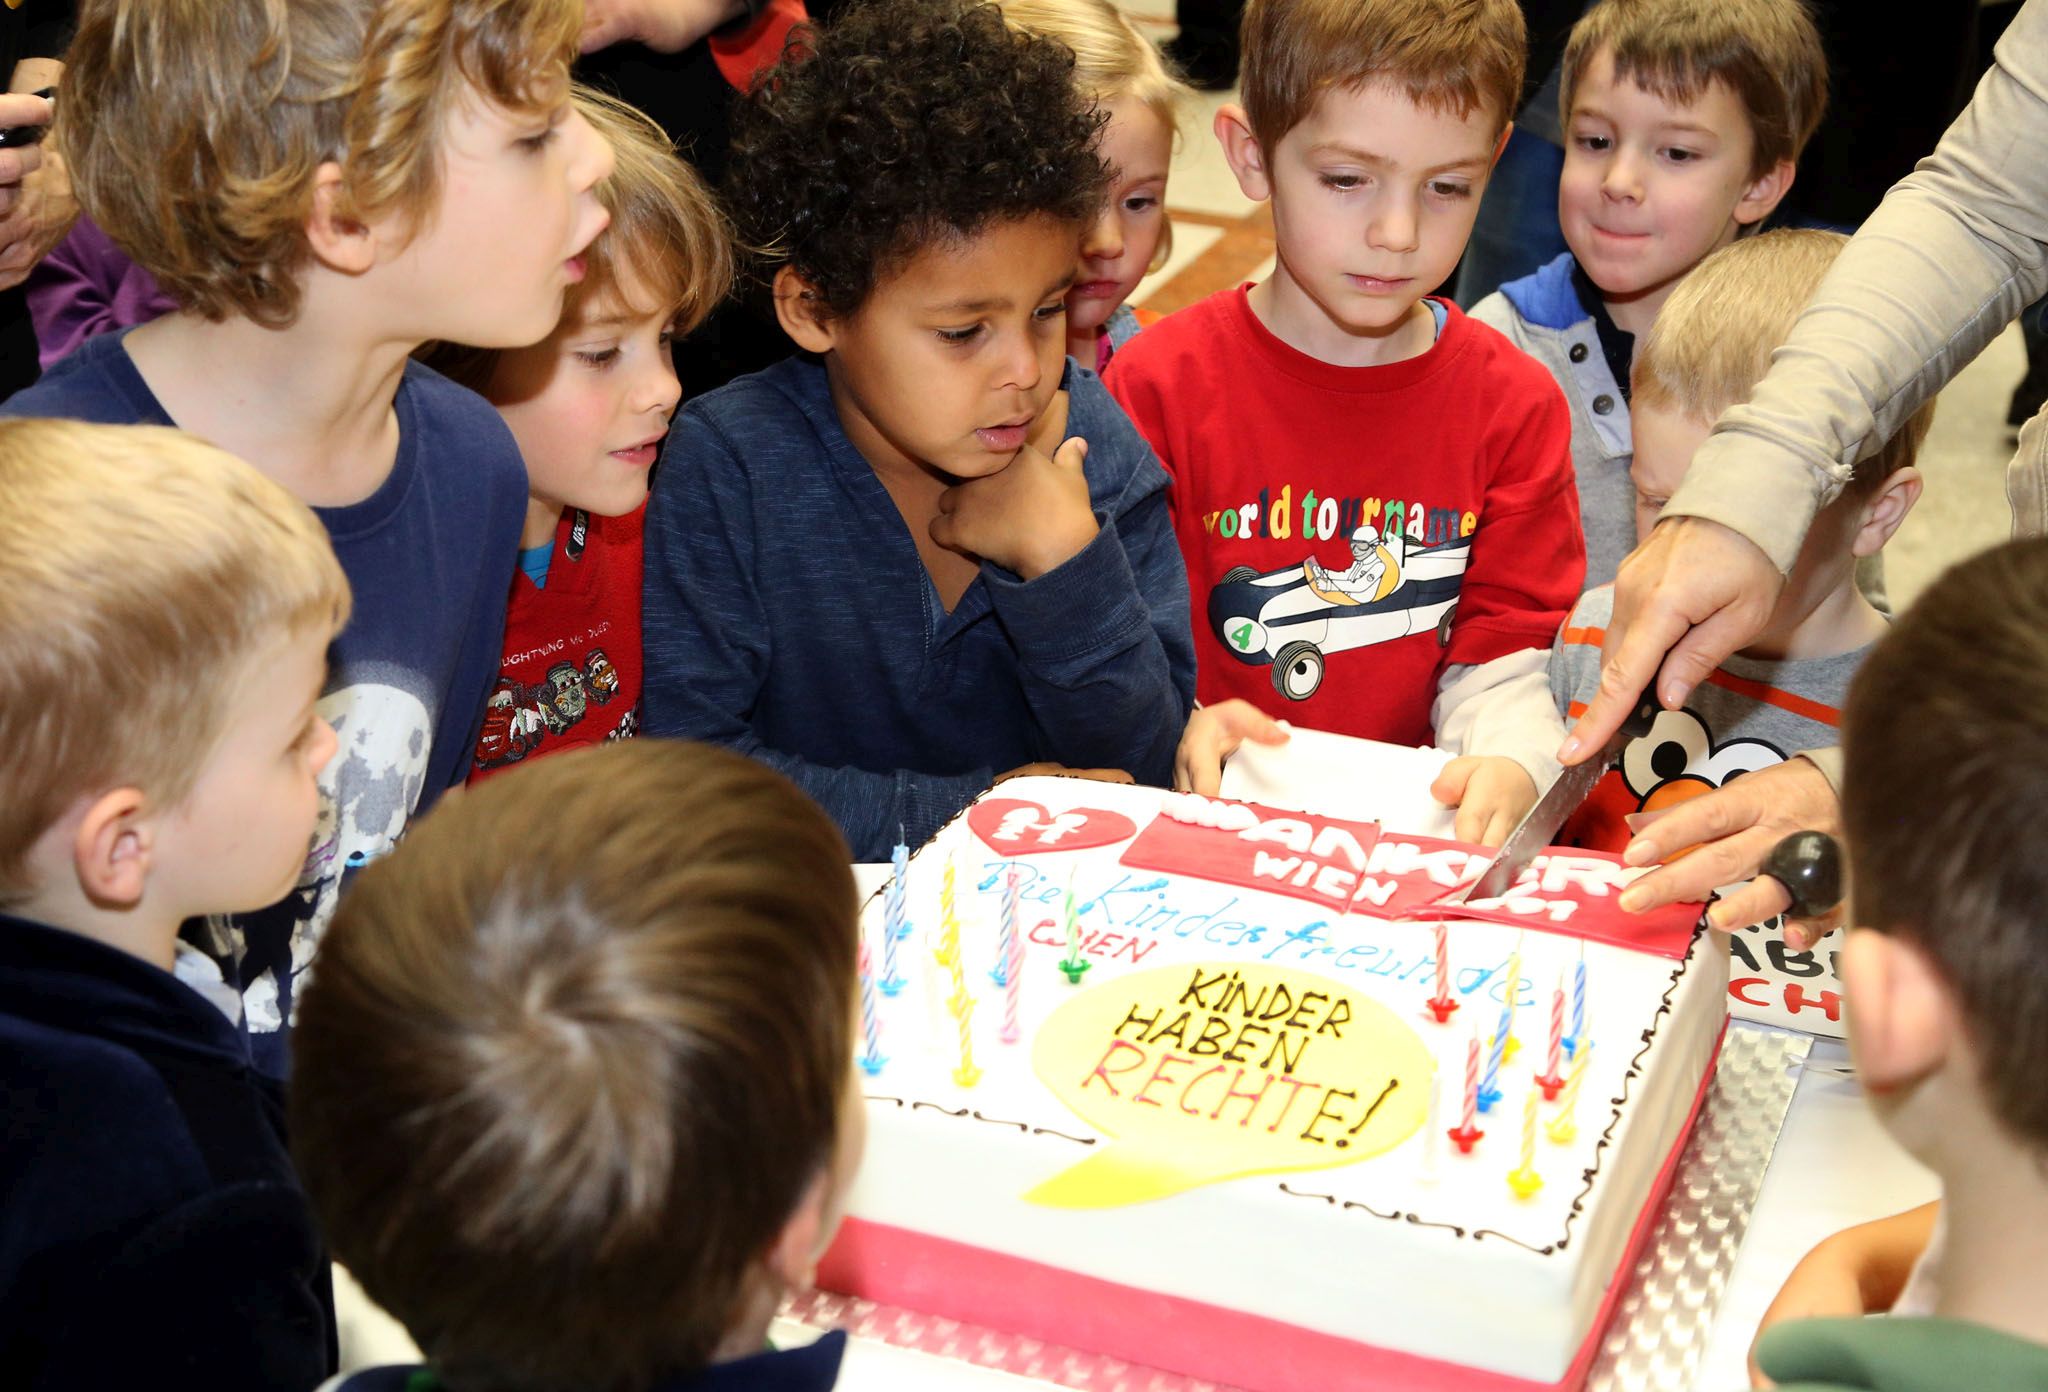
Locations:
(1357, 865)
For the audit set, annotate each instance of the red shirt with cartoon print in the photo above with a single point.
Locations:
(1350, 532)
(571, 671)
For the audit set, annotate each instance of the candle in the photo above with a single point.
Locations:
(949, 925)
(967, 1075)
(1552, 1076)
(1006, 947)
(1013, 985)
(1489, 1087)
(1524, 1180)
(1469, 1133)
(1514, 984)
(871, 1061)
(1441, 1004)
(1563, 1128)
(1072, 965)
(1578, 1033)
(899, 871)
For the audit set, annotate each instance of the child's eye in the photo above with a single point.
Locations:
(597, 357)
(534, 144)
(1141, 202)
(959, 337)
(1046, 313)
(1342, 183)
(1681, 156)
(1596, 144)
(1443, 188)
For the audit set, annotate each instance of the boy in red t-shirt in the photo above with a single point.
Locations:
(1373, 493)
(589, 406)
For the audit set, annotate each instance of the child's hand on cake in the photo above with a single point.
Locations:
(1212, 735)
(1859, 1271)
(1030, 516)
(1491, 793)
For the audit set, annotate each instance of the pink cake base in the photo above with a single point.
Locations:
(895, 1266)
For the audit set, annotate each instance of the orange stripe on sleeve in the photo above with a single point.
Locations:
(1771, 695)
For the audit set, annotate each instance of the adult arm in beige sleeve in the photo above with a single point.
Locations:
(1956, 250)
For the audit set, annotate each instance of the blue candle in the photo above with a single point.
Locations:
(1489, 1086)
(899, 867)
(1571, 1043)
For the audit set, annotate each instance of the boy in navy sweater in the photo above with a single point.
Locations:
(932, 550)
(165, 612)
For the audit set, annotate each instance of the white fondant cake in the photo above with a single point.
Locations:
(1218, 1152)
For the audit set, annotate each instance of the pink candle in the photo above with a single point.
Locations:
(1443, 963)
(1556, 1029)
(1013, 984)
(1472, 1081)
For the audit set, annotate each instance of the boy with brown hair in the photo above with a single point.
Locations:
(165, 612)
(1945, 805)
(1371, 491)
(325, 185)
(1781, 696)
(573, 1088)
(1683, 123)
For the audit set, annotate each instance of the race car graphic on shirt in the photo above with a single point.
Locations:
(1295, 617)
(518, 717)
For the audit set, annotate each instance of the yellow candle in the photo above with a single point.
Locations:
(1563, 1128)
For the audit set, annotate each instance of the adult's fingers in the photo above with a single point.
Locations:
(1628, 659)
(1696, 876)
(1762, 898)
(17, 162)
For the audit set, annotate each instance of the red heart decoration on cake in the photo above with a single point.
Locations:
(1015, 827)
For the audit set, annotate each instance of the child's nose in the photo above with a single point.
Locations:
(1104, 240)
(1020, 364)
(1623, 179)
(1393, 226)
(660, 390)
(593, 158)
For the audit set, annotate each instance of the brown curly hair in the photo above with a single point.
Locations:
(904, 123)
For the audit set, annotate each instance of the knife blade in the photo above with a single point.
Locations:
(1562, 798)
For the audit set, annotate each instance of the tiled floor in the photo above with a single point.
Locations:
(1222, 238)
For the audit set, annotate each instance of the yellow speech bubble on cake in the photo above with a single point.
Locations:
(1212, 1070)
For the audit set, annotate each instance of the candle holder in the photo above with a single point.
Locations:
(1525, 1182)
(1465, 1137)
(1443, 1007)
(1075, 968)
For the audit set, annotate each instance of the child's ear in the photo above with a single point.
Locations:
(793, 1257)
(1764, 193)
(1500, 146)
(339, 240)
(1903, 1016)
(111, 849)
(801, 311)
(1883, 513)
(1241, 149)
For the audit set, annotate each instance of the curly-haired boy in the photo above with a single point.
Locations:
(933, 550)
(324, 185)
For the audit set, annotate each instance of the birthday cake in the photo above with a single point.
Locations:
(1235, 1093)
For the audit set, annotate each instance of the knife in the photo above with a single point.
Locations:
(1562, 798)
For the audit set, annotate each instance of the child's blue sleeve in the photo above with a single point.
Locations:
(707, 641)
(1107, 655)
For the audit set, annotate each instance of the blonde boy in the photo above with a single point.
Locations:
(1782, 695)
(165, 612)
(325, 184)
(1683, 122)
(1371, 491)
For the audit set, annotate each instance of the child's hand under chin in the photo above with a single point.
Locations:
(1030, 516)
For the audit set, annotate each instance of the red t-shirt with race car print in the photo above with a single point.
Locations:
(1352, 531)
(571, 673)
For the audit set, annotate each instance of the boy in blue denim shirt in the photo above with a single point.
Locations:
(931, 550)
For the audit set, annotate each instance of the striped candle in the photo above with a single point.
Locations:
(1489, 1087)
(1578, 1001)
(1563, 1127)
(1006, 948)
(1443, 962)
(871, 1061)
(966, 1074)
(899, 871)
(1472, 1081)
(1556, 1054)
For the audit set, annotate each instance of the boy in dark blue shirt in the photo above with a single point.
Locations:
(932, 550)
(313, 248)
(165, 612)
